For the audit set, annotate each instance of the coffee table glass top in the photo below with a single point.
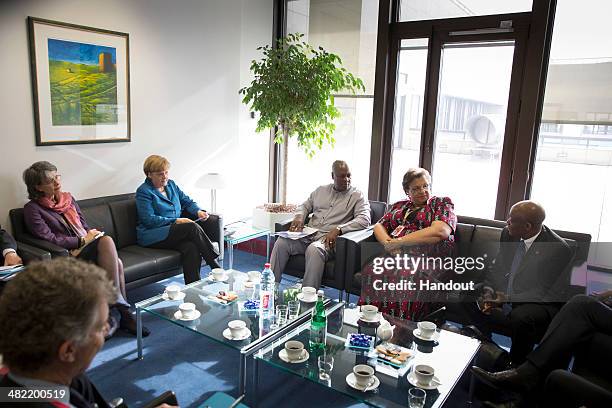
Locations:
(214, 316)
(450, 356)
(241, 231)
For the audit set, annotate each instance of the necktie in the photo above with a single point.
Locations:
(521, 250)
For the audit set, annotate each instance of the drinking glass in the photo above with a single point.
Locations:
(281, 314)
(293, 307)
(416, 398)
(326, 364)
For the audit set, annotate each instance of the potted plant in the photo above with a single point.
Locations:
(292, 91)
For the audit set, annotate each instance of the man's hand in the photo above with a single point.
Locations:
(297, 224)
(11, 259)
(330, 238)
(203, 215)
(183, 220)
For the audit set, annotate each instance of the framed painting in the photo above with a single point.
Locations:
(80, 83)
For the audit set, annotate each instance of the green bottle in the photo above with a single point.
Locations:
(318, 325)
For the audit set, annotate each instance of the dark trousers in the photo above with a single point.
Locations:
(570, 330)
(194, 245)
(566, 390)
(526, 324)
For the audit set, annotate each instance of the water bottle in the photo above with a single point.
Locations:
(266, 292)
(318, 325)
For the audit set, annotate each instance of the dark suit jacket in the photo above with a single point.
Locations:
(541, 268)
(83, 394)
(6, 242)
(51, 226)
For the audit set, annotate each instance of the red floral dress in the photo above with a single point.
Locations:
(407, 304)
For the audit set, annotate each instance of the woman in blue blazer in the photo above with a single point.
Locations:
(160, 205)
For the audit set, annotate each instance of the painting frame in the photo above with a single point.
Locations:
(75, 100)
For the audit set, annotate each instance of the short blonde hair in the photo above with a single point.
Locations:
(155, 163)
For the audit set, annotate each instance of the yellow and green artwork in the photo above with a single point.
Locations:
(83, 83)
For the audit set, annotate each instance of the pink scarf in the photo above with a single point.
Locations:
(65, 207)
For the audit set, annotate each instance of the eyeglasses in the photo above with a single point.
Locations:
(53, 179)
(424, 187)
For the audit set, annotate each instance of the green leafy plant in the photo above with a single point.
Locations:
(292, 91)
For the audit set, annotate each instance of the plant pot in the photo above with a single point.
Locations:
(266, 220)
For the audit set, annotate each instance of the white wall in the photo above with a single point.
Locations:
(188, 58)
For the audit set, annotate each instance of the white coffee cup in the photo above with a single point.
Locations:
(218, 273)
(369, 312)
(236, 327)
(254, 276)
(294, 349)
(363, 374)
(424, 374)
(426, 329)
(309, 293)
(187, 310)
(173, 291)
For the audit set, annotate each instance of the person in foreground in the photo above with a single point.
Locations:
(161, 203)
(422, 223)
(53, 320)
(8, 248)
(336, 209)
(519, 290)
(54, 216)
(570, 331)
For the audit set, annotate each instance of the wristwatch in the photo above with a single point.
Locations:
(81, 242)
(339, 230)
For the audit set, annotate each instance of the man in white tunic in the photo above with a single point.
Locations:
(336, 208)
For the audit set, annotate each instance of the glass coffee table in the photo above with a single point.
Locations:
(214, 317)
(242, 231)
(450, 356)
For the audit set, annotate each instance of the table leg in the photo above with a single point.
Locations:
(139, 332)
(268, 248)
(472, 385)
(242, 374)
(254, 394)
(230, 250)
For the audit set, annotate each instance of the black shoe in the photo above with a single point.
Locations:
(128, 323)
(521, 380)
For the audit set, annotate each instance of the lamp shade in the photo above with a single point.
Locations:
(212, 181)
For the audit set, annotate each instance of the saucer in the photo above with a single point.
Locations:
(181, 296)
(283, 356)
(412, 380)
(300, 297)
(376, 320)
(227, 333)
(350, 380)
(248, 284)
(417, 333)
(223, 279)
(179, 316)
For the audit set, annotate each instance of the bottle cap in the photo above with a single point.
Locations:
(267, 265)
(320, 293)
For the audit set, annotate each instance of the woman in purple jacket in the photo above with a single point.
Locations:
(54, 216)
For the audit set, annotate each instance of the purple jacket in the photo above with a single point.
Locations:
(51, 226)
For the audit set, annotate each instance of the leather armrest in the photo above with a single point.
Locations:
(30, 253)
(356, 258)
(54, 250)
(283, 226)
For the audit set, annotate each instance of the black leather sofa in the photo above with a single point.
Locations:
(475, 237)
(116, 215)
(334, 268)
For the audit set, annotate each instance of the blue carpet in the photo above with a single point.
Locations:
(195, 367)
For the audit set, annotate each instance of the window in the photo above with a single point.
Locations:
(347, 28)
(415, 10)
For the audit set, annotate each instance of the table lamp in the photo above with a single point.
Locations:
(213, 181)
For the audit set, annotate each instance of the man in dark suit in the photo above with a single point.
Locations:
(521, 289)
(571, 330)
(50, 336)
(8, 247)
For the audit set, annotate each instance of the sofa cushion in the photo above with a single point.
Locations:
(126, 218)
(485, 241)
(99, 217)
(139, 262)
(463, 238)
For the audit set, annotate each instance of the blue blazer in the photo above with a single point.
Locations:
(156, 213)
